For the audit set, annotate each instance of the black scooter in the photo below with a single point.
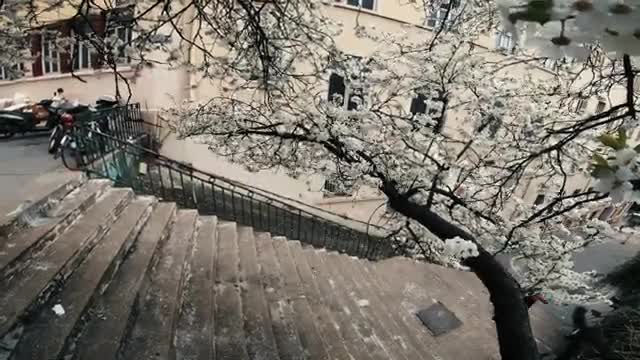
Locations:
(28, 118)
(69, 114)
(67, 147)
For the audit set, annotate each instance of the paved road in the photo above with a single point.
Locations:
(22, 159)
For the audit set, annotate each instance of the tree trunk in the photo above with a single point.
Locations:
(515, 337)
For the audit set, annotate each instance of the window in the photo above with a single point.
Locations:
(120, 33)
(83, 52)
(554, 64)
(333, 188)
(365, 4)
(11, 72)
(338, 92)
(600, 107)
(419, 106)
(438, 14)
(50, 55)
(337, 89)
(82, 55)
(504, 41)
(581, 104)
(606, 214)
(119, 38)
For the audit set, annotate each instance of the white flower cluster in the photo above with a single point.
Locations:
(569, 27)
(460, 248)
(618, 183)
(619, 174)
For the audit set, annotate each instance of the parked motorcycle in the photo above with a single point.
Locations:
(69, 114)
(65, 113)
(66, 146)
(23, 118)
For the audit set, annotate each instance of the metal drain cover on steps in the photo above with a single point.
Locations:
(438, 319)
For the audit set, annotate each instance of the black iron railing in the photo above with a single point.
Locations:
(121, 122)
(131, 165)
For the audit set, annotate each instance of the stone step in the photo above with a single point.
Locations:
(336, 303)
(194, 331)
(48, 224)
(425, 284)
(45, 334)
(413, 345)
(25, 291)
(324, 318)
(280, 308)
(359, 304)
(109, 317)
(230, 341)
(309, 335)
(40, 196)
(153, 329)
(342, 289)
(261, 342)
(390, 295)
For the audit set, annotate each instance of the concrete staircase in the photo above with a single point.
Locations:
(103, 274)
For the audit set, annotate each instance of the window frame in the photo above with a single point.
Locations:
(510, 45)
(436, 14)
(420, 96)
(120, 19)
(77, 54)
(374, 4)
(57, 61)
(349, 93)
(581, 104)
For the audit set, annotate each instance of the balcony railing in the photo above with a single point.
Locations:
(129, 164)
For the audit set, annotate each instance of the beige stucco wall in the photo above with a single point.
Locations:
(154, 88)
(161, 86)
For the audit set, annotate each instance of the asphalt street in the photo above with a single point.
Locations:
(22, 159)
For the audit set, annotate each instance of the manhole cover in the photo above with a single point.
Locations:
(439, 319)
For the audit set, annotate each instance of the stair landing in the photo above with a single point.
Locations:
(111, 275)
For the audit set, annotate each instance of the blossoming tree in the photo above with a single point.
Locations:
(482, 131)
(456, 196)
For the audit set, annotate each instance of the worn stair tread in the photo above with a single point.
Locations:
(30, 239)
(408, 318)
(39, 194)
(325, 319)
(152, 333)
(261, 342)
(230, 342)
(280, 309)
(52, 267)
(308, 333)
(420, 292)
(340, 287)
(336, 303)
(102, 336)
(374, 319)
(194, 332)
(416, 343)
(47, 332)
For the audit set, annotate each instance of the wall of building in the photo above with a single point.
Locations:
(160, 86)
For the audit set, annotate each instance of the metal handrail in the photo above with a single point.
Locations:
(148, 172)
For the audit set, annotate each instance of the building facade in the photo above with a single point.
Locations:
(82, 75)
